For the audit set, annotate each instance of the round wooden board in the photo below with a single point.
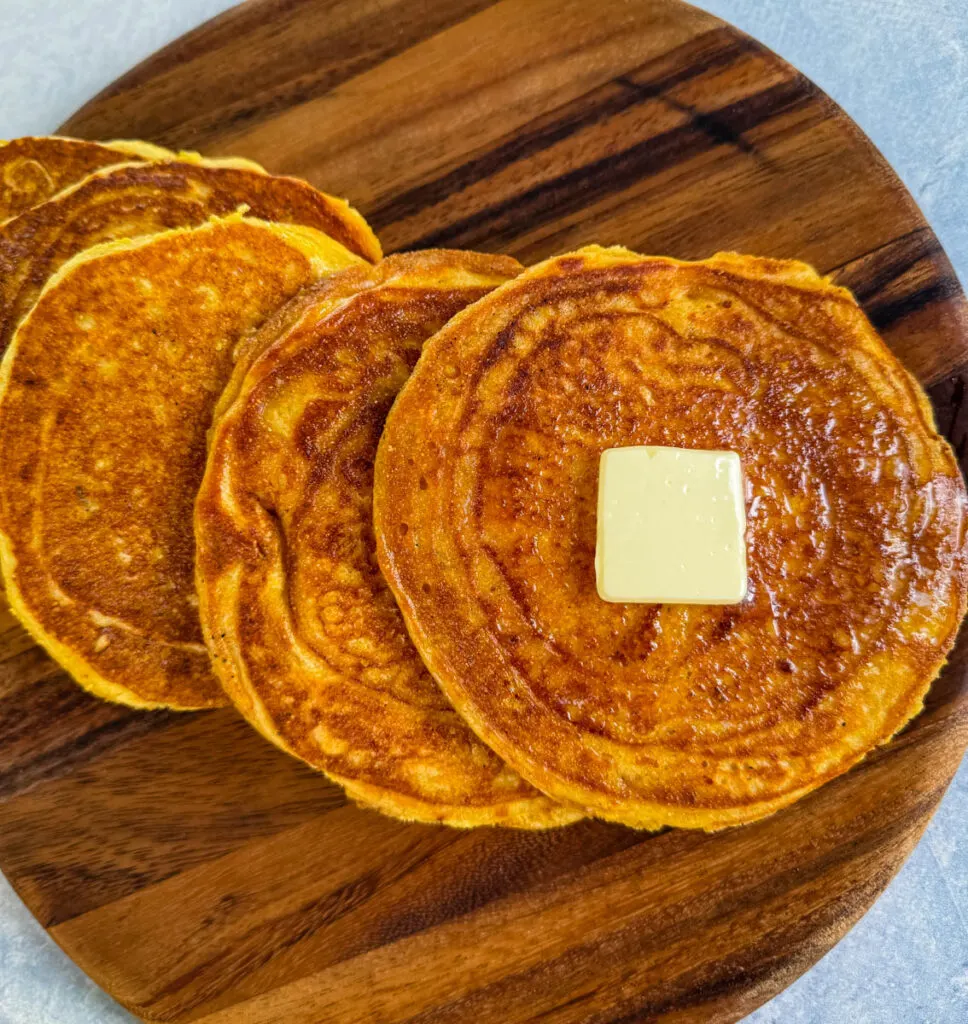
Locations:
(198, 874)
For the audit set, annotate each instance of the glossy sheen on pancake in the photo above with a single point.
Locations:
(133, 200)
(304, 633)
(106, 394)
(34, 168)
(697, 716)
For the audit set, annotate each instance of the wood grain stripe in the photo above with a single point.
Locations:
(951, 410)
(159, 804)
(384, 883)
(901, 277)
(721, 970)
(698, 56)
(902, 280)
(324, 44)
(63, 733)
(598, 910)
(569, 192)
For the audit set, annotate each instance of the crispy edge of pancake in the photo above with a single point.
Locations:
(535, 814)
(152, 153)
(361, 238)
(320, 249)
(646, 814)
(366, 242)
(67, 142)
(219, 616)
(149, 152)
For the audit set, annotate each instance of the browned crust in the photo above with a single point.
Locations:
(681, 715)
(34, 168)
(133, 200)
(106, 393)
(304, 634)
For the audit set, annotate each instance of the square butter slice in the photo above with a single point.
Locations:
(671, 526)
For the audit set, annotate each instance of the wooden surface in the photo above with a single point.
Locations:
(200, 875)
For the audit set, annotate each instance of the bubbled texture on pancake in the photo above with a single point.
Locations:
(701, 716)
(107, 393)
(34, 168)
(304, 632)
(133, 200)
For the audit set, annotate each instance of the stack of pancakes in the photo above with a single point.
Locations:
(247, 460)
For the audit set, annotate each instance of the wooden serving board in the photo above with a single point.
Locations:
(200, 875)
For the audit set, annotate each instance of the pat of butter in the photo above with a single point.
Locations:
(671, 526)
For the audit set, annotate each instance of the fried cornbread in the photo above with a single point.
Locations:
(304, 633)
(133, 200)
(676, 714)
(106, 394)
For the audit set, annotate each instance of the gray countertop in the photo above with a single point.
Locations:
(900, 68)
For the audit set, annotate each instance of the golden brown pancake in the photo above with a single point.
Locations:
(133, 200)
(106, 394)
(34, 168)
(304, 634)
(688, 715)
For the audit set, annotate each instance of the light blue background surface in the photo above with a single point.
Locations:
(900, 68)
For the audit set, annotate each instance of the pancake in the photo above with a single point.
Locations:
(106, 394)
(305, 636)
(133, 200)
(34, 168)
(686, 715)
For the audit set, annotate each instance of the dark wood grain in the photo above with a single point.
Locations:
(198, 874)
